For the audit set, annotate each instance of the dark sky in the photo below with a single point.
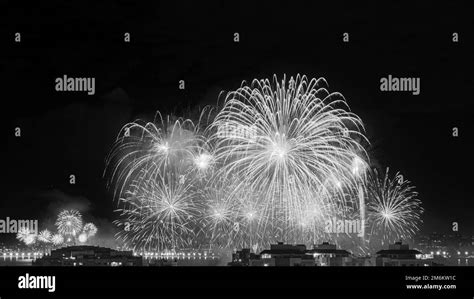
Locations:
(67, 133)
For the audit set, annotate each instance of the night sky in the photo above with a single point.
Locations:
(71, 133)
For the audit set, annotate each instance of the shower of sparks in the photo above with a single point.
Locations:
(89, 229)
(393, 207)
(160, 214)
(44, 236)
(26, 236)
(150, 150)
(301, 135)
(82, 237)
(57, 239)
(69, 222)
(275, 163)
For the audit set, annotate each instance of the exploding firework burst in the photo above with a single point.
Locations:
(26, 236)
(57, 239)
(161, 214)
(82, 237)
(222, 216)
(156, 168)
(144, 152)
(22, 234)
(277, 161)
(69, 222)
(393, 207)
(90, 229)
(44, 236)
(300, 135)
(31, 239)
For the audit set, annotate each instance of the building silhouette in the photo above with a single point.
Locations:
(287, 255)
(89, 256)
(284, 255)
(399, 254)
(327, 254)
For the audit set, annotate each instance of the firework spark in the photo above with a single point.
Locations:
(26, 236)
(394, 209)
(301, 135)
(82, 237)
(57, 239)
(161, 214)
(44, 236)
(144, 152)
(69, 222)
(222, 219)
(277, 161)
(90, 229)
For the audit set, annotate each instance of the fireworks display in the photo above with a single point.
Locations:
(160, 214)
(89, 229)
(301, 135)
(275, 163)
(394, 208)
(26, 236)
(145, 152)
(157, 170)
(82, 237)
(57, 239)
(44, 236)
(69, 228)
(69, 222)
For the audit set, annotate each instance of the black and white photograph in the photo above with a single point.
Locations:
(241, 149)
